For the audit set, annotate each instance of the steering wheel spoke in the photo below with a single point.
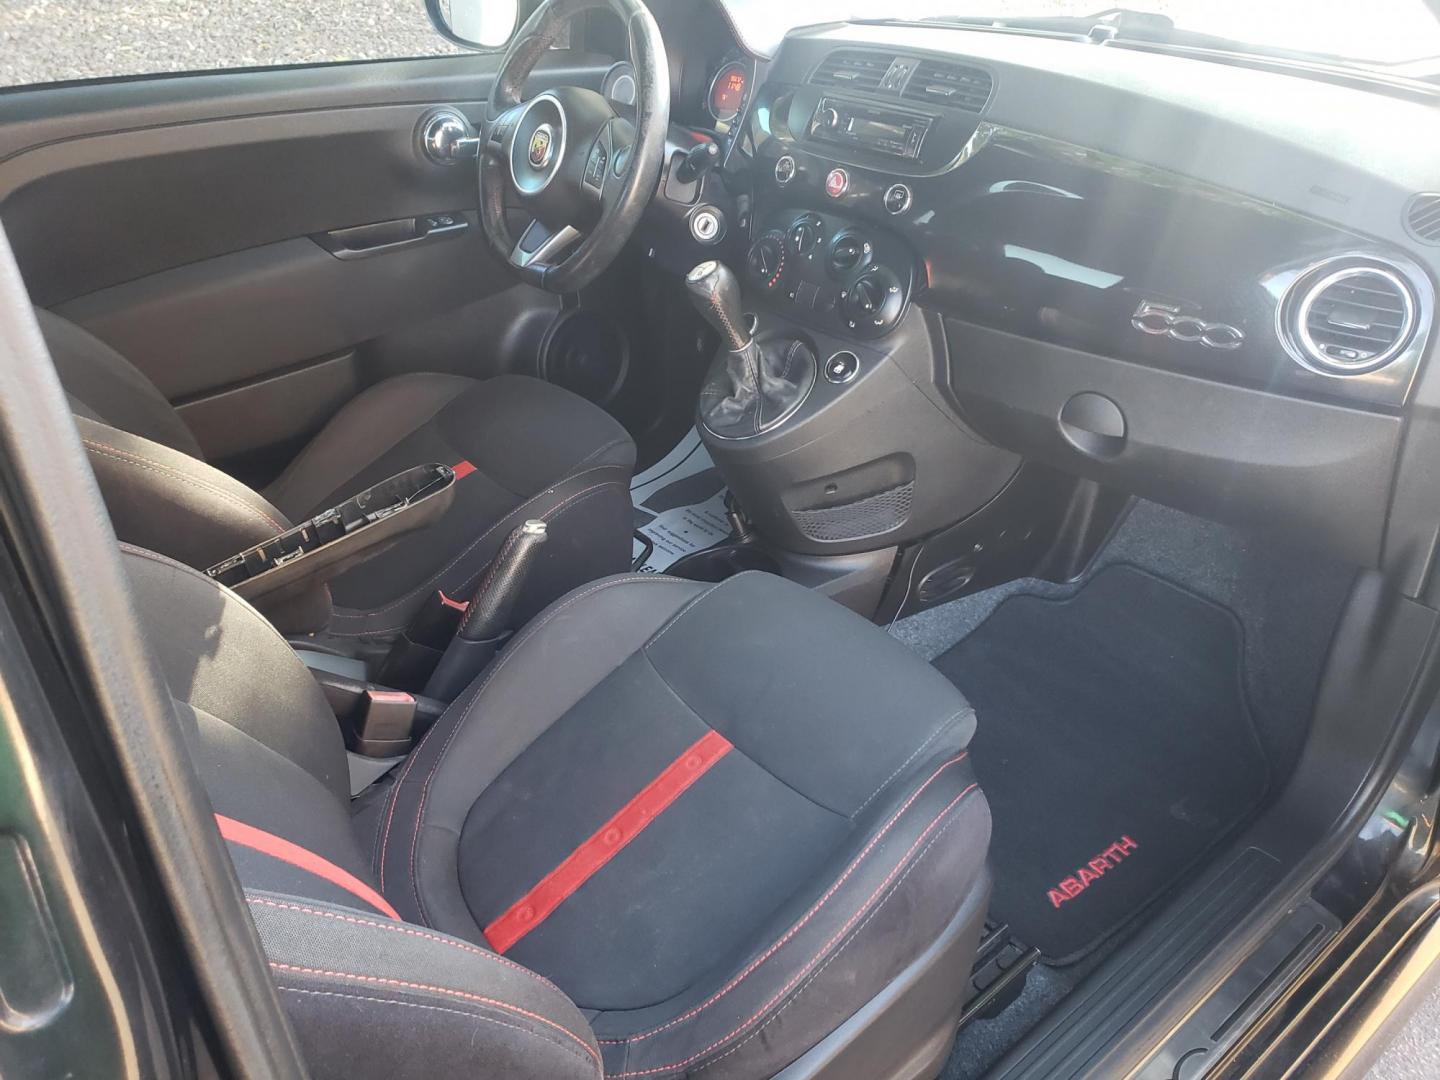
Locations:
(541, 248)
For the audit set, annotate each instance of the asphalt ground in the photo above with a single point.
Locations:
(53, 40)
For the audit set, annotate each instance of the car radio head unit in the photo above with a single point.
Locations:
(870, 127)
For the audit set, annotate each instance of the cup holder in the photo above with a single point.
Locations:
(725, 561)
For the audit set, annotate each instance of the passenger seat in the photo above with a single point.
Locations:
(675, 829)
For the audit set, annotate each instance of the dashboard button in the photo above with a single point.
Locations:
(785, 170)
(837, 182)
(898, 198)
(842, 367)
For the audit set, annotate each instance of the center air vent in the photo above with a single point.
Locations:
(936, 82)
(1350, 320)
(855, 69)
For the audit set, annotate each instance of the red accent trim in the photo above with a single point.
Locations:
(462, 469)
(277, 847)
(458, 605)
(581, 864)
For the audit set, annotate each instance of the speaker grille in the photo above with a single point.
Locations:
(870, 516)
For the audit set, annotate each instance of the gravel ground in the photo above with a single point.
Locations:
(49, 40)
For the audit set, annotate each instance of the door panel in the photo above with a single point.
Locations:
(176, 219)
(225, 320)
(277, 412)
(93, 212)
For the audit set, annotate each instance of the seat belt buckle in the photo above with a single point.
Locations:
(384, 723)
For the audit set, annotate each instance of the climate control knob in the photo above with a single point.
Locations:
(848, 253)
(806, 233)
(872, 305)
(766, 262)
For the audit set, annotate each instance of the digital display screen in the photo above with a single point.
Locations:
(727, 92)
(875, 129)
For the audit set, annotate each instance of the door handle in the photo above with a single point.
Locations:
(383, 237)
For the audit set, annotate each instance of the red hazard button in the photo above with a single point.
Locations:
(837, 183)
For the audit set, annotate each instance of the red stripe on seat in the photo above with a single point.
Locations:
(277, 847)
(462, 469)
(632, 819)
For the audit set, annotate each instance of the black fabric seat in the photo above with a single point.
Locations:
(675, 829)
(523, 449)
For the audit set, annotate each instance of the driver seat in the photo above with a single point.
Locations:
(521, 449)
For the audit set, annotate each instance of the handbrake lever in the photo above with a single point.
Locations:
(486, 623)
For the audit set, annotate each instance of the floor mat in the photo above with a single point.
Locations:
(1115, 746)
(679, 505)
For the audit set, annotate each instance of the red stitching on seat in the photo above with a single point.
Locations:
(462, 995)
(830, 892)
(130, 458)
(410, 931)
(805, 968)
(511, 649)
(469, 1014)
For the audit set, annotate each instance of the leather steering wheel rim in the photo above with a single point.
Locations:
(622, 208)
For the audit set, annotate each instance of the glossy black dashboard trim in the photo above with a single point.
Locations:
(1063, 244)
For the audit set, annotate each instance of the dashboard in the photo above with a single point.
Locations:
(1204, 282)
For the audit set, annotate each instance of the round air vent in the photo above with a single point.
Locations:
(1422, 217)
(1349, 320)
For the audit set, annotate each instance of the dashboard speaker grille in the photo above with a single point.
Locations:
(1354, 320)
(1422, 217)
(854, 69)
(955, 85)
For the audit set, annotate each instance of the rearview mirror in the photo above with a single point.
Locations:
(480, 24)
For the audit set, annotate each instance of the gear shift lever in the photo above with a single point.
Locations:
(716, 295)
(753, 385)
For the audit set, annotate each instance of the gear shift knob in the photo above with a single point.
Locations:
(716, 294)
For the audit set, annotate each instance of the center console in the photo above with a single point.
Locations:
(826, 408)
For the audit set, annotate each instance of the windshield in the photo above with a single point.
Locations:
(1374, 32)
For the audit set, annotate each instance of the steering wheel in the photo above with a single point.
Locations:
(581, 172)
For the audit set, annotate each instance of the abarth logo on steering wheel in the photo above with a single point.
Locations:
(541, 145)
(1162, 320)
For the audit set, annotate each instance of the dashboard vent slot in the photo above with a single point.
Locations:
(1353, 320)
(1422, 217)
(938, 83)
(853, 69)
